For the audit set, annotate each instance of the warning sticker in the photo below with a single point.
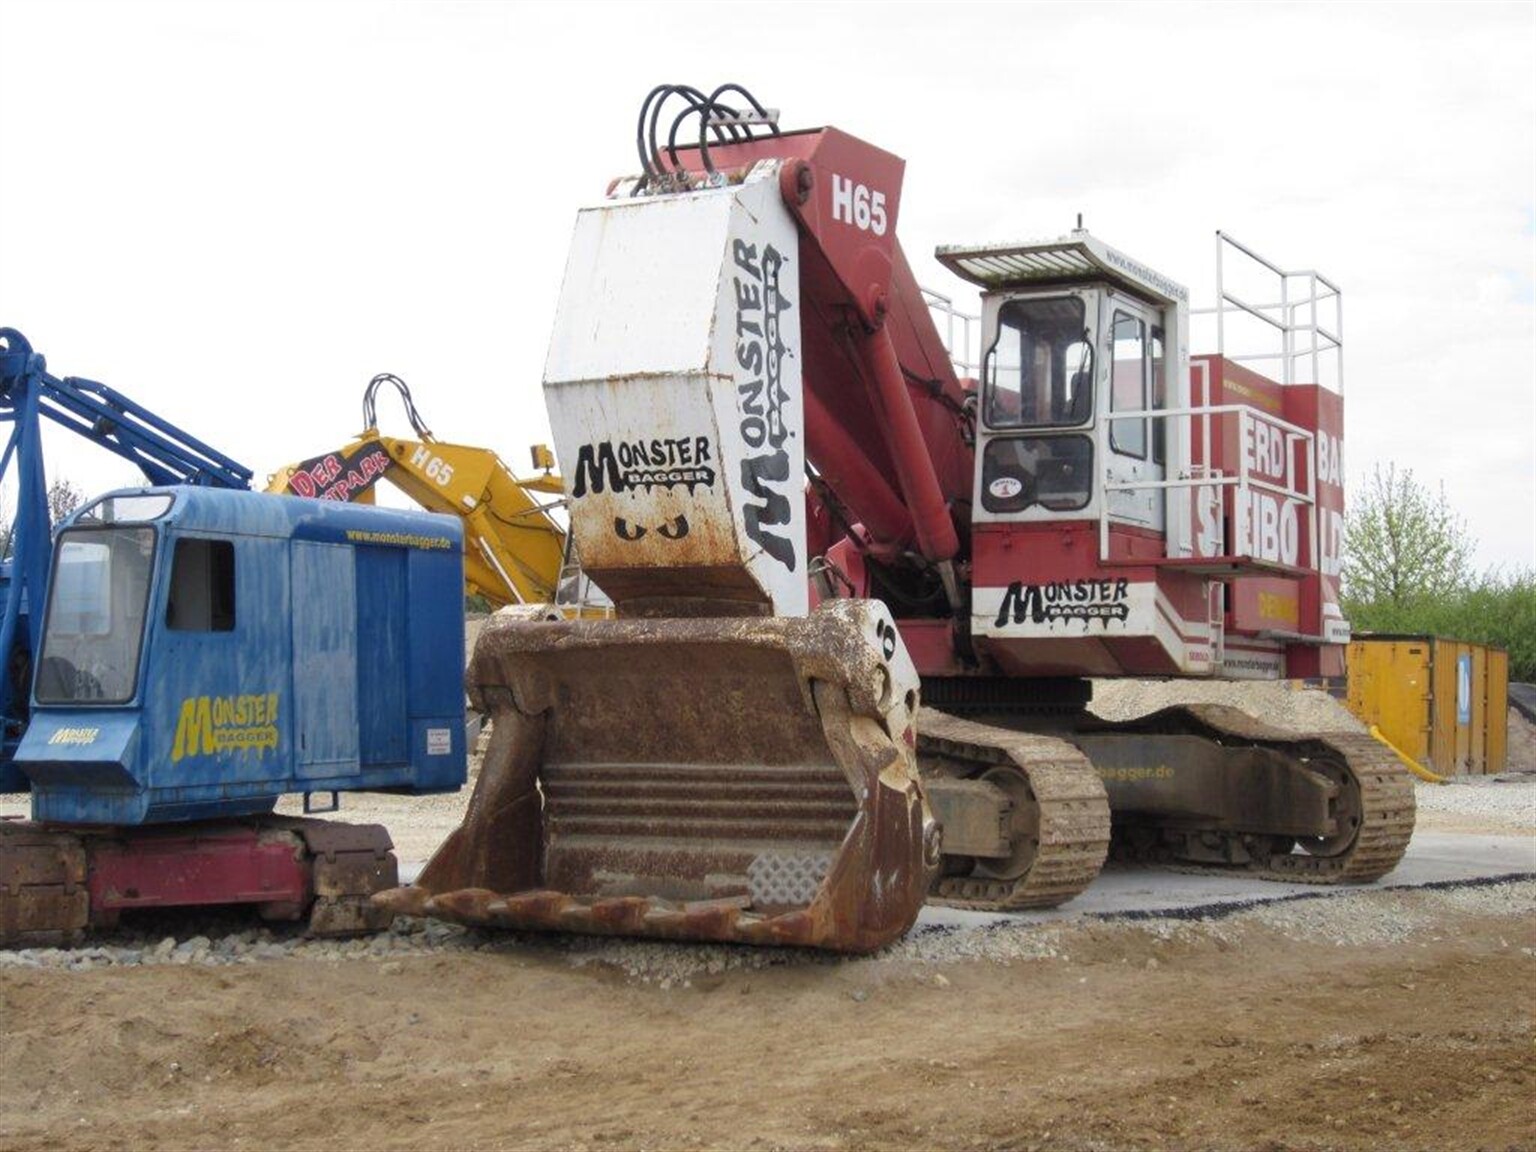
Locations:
(439, 741)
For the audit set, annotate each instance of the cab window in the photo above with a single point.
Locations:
(1050, 472)
(1127, 390)
(1039, 373)
(94, 628)
(202, 596)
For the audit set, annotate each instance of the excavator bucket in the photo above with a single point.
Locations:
(745, 779)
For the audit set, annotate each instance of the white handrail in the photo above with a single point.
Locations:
(1202, 476)
(962, 357)
(1303, 332)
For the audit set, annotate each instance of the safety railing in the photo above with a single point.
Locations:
(1281, 489)
(1305, 324)
(576, 596)
(960, 331)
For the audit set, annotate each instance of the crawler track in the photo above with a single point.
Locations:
(1072, 839)
(1386, 799)
(1379, 788)
(58, 884)
(43, 896)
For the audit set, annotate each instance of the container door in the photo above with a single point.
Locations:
(324, 660)
(1497, 709)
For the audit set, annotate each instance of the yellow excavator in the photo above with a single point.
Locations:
(514, 550)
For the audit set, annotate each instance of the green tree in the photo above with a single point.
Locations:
(64, 496)
(1408, 568)
(1403, 543)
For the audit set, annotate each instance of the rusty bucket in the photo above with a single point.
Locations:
(725, 779)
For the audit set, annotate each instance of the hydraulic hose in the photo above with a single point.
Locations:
(1409, 762)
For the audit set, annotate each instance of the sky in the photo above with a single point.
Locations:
(237, 214)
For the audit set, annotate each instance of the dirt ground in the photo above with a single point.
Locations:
(1376, 1019)
(1249, 1036)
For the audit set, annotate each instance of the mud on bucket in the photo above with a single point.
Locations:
(750, 780)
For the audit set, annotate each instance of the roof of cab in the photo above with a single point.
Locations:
(237, 512)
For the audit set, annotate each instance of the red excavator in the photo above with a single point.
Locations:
(808, 521)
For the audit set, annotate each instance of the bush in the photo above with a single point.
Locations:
(1494, 609)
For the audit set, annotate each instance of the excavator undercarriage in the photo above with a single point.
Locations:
(1210, 785)
(1032, 800)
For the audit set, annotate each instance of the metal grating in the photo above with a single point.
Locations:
(778, 879)
(996, 268)
(1064, 259)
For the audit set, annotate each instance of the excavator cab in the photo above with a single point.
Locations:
(1074, 374)
(1182, 513)
(165, 689)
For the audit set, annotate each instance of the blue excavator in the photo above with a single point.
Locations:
(166, 455)
(182, 655)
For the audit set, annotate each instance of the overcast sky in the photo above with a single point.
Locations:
(238, 213)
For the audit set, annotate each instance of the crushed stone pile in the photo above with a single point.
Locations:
(1278, 703)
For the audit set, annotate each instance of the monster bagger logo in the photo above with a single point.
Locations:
(1084, 600)
(655, 463)
(211, 724)
(74, 736)
(761, 398)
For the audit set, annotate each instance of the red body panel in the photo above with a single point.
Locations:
(890, 438)
(884, 409)
(1064, 553)
(1297, 603)
(1318, 408)
(195, 866)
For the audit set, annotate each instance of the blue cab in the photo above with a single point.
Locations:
(206, 651)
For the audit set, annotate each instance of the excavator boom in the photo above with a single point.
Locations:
(514, 550)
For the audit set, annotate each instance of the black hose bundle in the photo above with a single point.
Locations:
(720, 122)
(370, 405)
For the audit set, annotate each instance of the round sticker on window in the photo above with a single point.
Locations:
(1006, 487)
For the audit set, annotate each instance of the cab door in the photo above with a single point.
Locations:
(324, 611)
(1134, 447)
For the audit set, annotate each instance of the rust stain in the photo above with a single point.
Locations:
(739, 779)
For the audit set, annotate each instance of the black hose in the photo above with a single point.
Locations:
(716, 120)
(370, 404)
(713, 103)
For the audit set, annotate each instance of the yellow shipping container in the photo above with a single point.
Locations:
(1443, 702)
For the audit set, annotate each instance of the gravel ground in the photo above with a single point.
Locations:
(222, 940)
(1364, 918)
(1367, 917)
(1499, 803)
